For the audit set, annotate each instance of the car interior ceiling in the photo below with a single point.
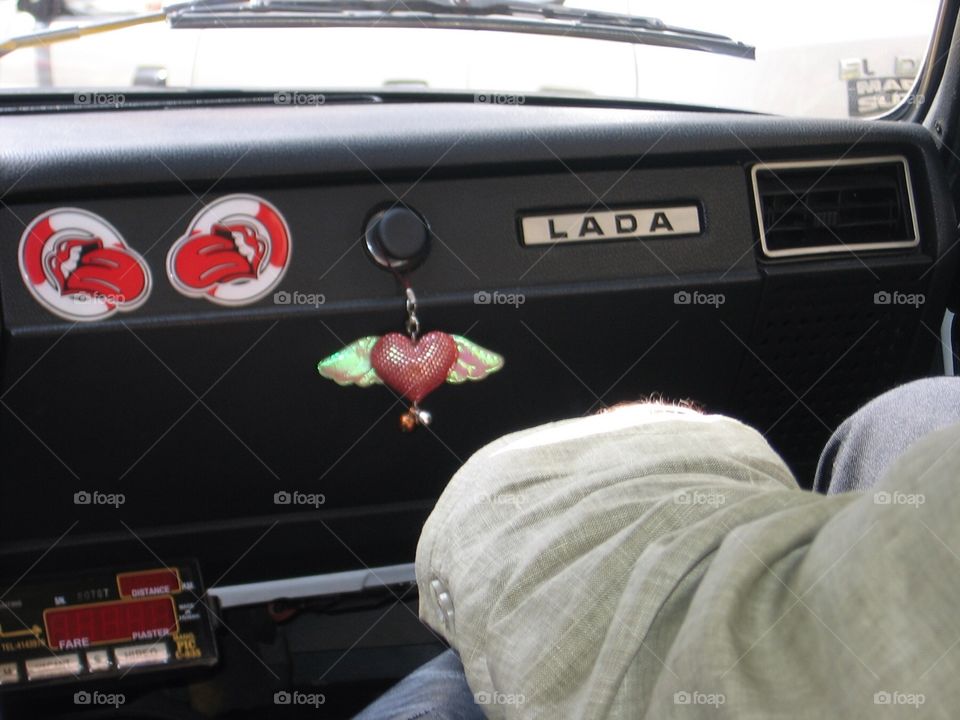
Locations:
(202, 419)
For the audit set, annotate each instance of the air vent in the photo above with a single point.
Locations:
(831, 206)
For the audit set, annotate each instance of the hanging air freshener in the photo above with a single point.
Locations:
(411, 365)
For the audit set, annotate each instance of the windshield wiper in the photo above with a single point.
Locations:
(520, 16)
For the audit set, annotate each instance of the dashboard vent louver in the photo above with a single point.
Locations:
(830, 206)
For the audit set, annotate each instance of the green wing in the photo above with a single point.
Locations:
(473, 362)
(351, 365)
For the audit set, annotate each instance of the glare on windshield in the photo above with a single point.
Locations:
(858, 58)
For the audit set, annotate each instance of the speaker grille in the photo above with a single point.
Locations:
(821, 349)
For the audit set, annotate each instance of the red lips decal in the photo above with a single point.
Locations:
(225, 254)
(85, 266)
(235, 251)
(78, 266)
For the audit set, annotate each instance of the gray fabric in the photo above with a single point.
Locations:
(866, 444)
(655, 564)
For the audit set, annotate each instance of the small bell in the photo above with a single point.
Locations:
(408, 421)
(413, 417)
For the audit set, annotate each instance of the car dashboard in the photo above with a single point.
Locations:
(606, 254)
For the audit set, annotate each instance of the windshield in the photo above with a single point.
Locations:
(856, 58)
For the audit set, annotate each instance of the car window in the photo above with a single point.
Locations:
(815, 58)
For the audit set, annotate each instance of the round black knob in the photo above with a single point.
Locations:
(398, 238)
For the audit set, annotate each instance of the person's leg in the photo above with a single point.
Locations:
(437, 690)
(866, 444)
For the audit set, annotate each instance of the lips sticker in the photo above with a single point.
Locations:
(78, 266)
(234, 252)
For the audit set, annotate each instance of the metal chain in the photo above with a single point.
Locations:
(413, 323)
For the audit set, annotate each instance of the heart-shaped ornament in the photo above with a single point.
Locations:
(414, 369)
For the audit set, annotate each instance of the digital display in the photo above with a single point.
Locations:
(148, 582)
(81, 626)
(103, 623)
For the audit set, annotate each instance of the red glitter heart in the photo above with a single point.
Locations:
(414, 370)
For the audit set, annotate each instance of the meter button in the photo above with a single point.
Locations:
(9, 673)
(53, 667)
(397, 238)
(137, 655)
(98, 661)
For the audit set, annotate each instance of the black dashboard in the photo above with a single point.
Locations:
(198, 412)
